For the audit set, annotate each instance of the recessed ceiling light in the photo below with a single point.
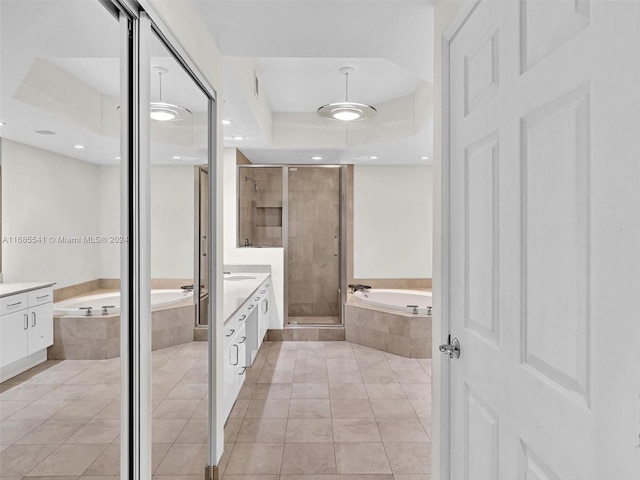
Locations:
(79, 147)
(118, 157)
(373, 157)
(45, 132)
(424, 157)
(177, 157)
(226, 122)
(316, 158)
(237, 137)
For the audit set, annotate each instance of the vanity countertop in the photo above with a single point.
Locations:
(7, 289)
(236, 292)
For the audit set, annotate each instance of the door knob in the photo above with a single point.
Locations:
(452, 348)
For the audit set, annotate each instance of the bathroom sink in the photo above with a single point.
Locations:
(237, 278)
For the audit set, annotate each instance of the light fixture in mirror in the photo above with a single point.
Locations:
(162, 111)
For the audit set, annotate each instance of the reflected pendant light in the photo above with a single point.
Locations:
(166, 112)
(347, 111)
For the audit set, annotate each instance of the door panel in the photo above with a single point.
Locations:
(537, 171)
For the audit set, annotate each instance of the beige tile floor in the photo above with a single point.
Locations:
(308, 411)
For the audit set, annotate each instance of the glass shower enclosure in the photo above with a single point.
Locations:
(300, 208)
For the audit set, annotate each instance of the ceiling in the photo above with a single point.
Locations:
(70, 85)
(294, 47)
(297, 47)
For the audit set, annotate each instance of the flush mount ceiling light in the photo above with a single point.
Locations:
(166, 112)
(79, 147)
(347, 111)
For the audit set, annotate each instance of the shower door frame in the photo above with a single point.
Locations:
(342, 283)
(197, 247)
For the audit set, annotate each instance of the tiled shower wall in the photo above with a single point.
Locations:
(313, 250)
(261, 211)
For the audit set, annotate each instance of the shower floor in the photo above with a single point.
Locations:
(314, 321)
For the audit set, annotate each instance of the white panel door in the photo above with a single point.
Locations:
(544, 271)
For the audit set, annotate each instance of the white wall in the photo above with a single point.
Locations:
(109, 205)
(249, 256)
(53, 195)
(44, 193)
(392, 221)
(172, 220)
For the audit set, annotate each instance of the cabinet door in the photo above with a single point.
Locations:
(264, 315)
(241, 369)
(40, 327)
(13, 337)
(229, 378)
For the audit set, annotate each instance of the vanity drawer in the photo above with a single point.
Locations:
(40, 297)
(13, 303)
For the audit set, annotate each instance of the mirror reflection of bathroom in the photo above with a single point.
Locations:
(61, 190)
(61, 198)
(179, 256)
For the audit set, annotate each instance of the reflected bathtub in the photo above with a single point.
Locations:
(159, 298)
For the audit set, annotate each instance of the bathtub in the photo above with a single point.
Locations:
(159, 298)
(395, 299)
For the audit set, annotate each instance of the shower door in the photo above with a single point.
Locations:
(313, 245)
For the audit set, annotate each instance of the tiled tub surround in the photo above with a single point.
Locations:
(98, 337)
(388, 330)
(330, 410)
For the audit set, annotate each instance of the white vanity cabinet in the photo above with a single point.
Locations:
(233, 371)
(244, 331)
(26, 328)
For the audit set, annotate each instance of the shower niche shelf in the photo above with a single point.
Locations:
(268, 217)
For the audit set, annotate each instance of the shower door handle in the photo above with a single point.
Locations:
(203, 245)
(335, 239)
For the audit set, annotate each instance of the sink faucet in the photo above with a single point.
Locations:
(88, 309)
